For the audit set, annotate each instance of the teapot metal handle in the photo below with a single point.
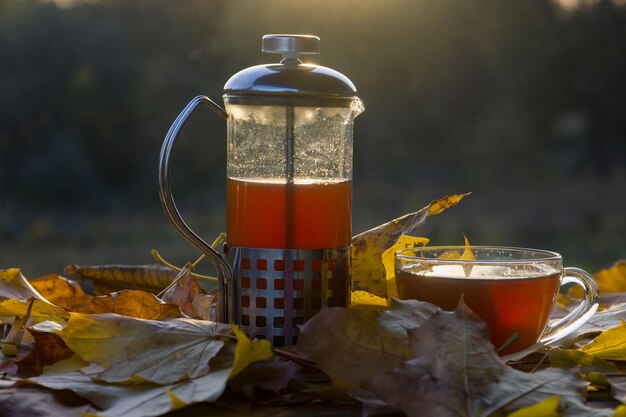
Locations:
(223, 269)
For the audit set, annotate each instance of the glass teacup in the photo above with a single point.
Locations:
(514, 290)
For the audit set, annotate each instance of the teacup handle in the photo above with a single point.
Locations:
(583, 312)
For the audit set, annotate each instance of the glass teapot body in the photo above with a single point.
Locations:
(289, 176)
(289, 191)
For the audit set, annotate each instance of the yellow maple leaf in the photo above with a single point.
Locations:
(17, 297)
(177, 403)
(365, 300)
(609, 344)
(612, 279)
(248, 351)
(620, 411)
(39, 310)
(546, 408)
(404, 242)
(440, 205)
(467, 254)
(368, 270)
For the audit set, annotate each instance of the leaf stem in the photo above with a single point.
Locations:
(514, 338)
(297, 359)
(157, 256)
(541, 361)
(181, 273)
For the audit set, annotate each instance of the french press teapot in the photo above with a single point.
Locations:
(289, 191)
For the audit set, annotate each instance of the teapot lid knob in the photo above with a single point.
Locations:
(291, 46)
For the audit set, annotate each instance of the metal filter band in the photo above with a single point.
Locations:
(275, 290)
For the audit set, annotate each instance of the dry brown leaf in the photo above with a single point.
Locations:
(61, 291)
(191, 299)
(48, 349)
(455, 371)
(134, 303)
(353, 346)
(115, 400)
(32, 401)
(112, 278)
(618, 386)
(271, 375)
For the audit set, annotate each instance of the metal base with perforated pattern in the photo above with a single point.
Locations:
(275, 290)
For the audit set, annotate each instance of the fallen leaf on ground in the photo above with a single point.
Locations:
(189, 296)
(40, 310)
(352, 346)
(272, 375)
(13, 285)
(138, 400)
(48, 349)
(248, 351)
(363, 299)
(455, 371)
(618, 388)
(61, 291)
(620, 411)
(609, 344)
(545, 408)
(112, 278)
(15, 296)
(610, 299)
(368, 271)
(572, 358)
(133, 303)
(601, 321)
(129, 349)
(31, 401)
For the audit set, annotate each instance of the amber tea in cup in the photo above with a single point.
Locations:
(512, 289)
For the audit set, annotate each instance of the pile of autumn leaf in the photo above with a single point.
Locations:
(130, 353)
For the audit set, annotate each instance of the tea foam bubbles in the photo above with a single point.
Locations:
(480, 271)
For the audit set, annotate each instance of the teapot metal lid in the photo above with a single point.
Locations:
(290, 82)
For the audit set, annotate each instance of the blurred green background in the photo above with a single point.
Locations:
(521, 102)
